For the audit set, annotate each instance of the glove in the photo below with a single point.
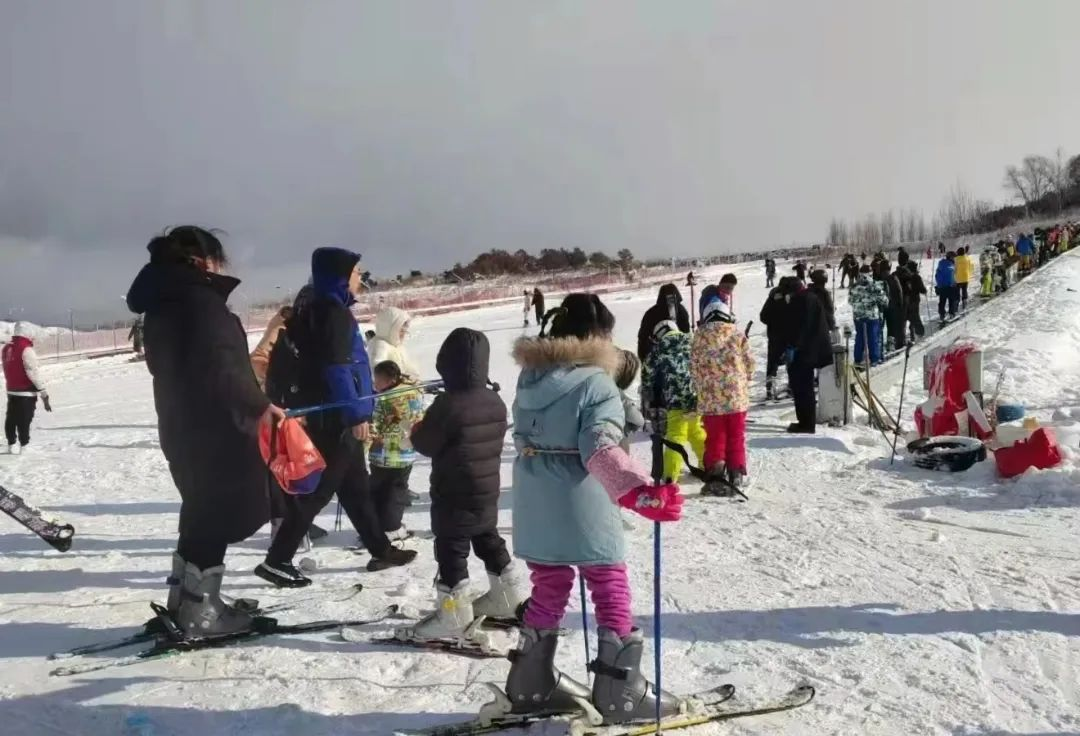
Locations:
(655, 503)
(789, 356)
(45, 402)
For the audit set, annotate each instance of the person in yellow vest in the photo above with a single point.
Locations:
(963, 273)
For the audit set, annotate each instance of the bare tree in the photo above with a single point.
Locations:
(1031, 180)
(1074, 171)
(888, 228)
(922, 232)
(1059, 176)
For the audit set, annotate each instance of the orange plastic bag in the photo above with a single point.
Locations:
(293, 459)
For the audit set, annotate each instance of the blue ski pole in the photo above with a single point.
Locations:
(585, 622)
(425, 386)
(656, 617)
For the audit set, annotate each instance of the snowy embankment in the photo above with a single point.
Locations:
(918, 603)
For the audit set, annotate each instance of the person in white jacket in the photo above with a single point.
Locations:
(391, 327)
(24, 385)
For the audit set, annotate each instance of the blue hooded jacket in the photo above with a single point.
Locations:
(945, 276)
(1025, 246)
(345, 369)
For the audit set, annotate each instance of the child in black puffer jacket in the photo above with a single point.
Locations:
(463, 433)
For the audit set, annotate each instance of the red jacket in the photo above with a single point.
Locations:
(17, 370)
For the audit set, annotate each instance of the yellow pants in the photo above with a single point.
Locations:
(987, 284)
(683, 428)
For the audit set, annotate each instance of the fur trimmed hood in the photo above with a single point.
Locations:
(543, 354)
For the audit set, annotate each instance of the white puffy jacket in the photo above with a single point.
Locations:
(386, 345)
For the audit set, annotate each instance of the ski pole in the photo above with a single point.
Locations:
(656, 619)
(900, 409)
(584, 620)
(304, 411)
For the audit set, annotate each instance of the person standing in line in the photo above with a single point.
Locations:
(895, 311)
(668, 306)
(135, 335)
(24, 385)
(811, 350)
(963, 275)
(391, 454)
(774, 315)
(669, 399)
(260, 356)
(209, 408)
(916, 289)
(945, 283)
(391, 331)
(334, 369)
(868, 299)
(526, 307)
(538, 305)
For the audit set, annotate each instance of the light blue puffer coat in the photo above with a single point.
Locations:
(567, 408)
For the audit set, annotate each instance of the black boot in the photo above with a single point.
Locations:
(202, 612)
(394, 557)
(534, 683)
(282, 574)
(620, 692)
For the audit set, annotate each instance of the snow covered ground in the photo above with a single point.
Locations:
(916, 602)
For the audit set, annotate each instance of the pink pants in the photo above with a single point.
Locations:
(552, 585)
(725, 440)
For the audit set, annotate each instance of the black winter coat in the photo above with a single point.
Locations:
(812, 344)
(463, 434)
(207, 399)
(826, 301)
(776, 316)
(656, 314)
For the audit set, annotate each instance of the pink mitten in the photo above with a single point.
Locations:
(655, 503)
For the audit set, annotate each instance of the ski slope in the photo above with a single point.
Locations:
(917, 603)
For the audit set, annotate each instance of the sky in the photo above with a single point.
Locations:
(422, 133)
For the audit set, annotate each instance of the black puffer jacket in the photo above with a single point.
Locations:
(463, 434)
(207, 400)
(812, 345)
(656, 314)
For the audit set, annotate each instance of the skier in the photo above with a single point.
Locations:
(135, 335)
(986, 272)
(774, 315)
(463, 434)
(945, 282)
(868, 299)
(538, 305)
(208, 407)
(24, 386)
(810, 350)
(260, 356)
(895, 311)
(391, 453)
(963, 275)
(391, 330)
(668, 306)
(670, 401)
(721, 367)
(800, 270)
(526, 307)
(334, 368)
(770, 272)
(915, 291)
(570, 478)
(818, 281)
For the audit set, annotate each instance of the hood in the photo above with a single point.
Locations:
(22, 329)
(552, 367)
(668, 290)
(463, 359)
(161, 283)
(330, 269)
(388, 324)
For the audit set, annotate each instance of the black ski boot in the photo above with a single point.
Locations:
(535, 684)
(770, 393)
(282, 574)
(202, 612)
(620, 692)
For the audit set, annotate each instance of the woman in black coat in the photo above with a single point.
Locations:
(668, 306)
(209, 407)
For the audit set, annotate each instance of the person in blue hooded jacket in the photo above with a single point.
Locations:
(945, 283)
(334, 368)
(570, 479)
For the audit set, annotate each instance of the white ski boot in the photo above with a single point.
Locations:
(452, 621)
(504, 597)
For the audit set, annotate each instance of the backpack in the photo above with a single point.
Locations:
(284, 371)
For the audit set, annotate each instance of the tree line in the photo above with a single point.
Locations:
(497, 262)
(1039, 185)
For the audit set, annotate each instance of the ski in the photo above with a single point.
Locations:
(699, 703)
(464, 648)
(56, 534)
(152, 628)
(717, 713)
(713, 486)
(164, 648)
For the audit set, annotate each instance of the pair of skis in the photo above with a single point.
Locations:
(56, 534)
(715, 486)
(713, 706)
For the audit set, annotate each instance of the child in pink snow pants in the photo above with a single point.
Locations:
(570, 479)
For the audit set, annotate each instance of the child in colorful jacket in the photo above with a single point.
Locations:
(570, 478)
(670, 394)
(868, 298)
(391, 454)
(721, 367)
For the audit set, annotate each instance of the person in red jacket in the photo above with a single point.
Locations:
(24, 385)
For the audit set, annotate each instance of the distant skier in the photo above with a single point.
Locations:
(526, 307)
(668, 306)
(964, 269)
(24, 385)
(895, 311)
(800, 271)
(770, 272)
(868, 300)
(462, 433)
(945, 283)
(209, 407)
(669, 399)
(538, 305)
(810, 350)
(566, 516)
(721, 367)
(391, 331)
(819, 280)
(135, 335)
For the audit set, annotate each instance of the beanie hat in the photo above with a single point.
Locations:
(21, 330)
(819, 277)
(581, 316)
(664, 327)
(629, 365)
(717, 310)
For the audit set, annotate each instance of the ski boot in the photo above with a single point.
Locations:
(737, 479)
(770, 392)
(503, 601)
(535, 684)
(451, 620)
(716, 483)
(620, 692)
(202, 612)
